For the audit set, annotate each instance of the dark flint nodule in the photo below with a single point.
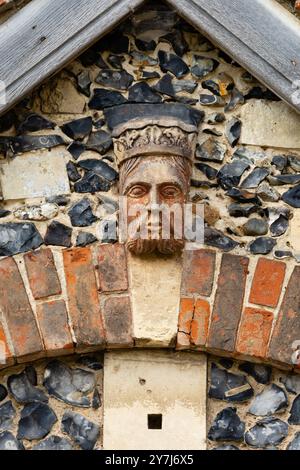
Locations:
(145, 45)
(8, 120)
(54, 443)
(209, 171)
(243, 210)
(212, 86)
(91, 183)
(279, 226)
(236, 98)
(7, 414)
(72, 172)
(223, 385)
(213, 237)
(18, 238)
(21, 388)
(58, 234)
(233, 131)
(4, 213)
(211, 100)
(255, 178)
(115, 61)
(76, 149)
(34, 122)
(202, 66)
(260, 372)
(262, 246)
(28, 143)
(227, 426)
(37, 420)
(230, 174)
(100, 141)
(292, 196)
(118, 79)
(266, 432)
(78, 129)
(84, 432)
(102, 99)
(177, 41)
(211, 150)
(269, 401)
(172, 63)
(143, 93)
(9, 442)
(254, 227)
(243, 196)
(84, 83)
(100, 168)
(165, 86)
(81, 214)
(85, 238)
(3, 392)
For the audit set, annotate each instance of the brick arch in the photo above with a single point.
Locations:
(78, 300)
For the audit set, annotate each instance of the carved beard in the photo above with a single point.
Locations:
(165, 247)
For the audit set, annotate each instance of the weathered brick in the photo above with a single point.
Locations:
(53, 323)
(228, 302)
(186, 312)
(6, 357)
(118, 321)
(198, 272)
(17, 311)
(112, 267)
(42, 274)
(200, 322)
(267, 282)
(287, 328)
(83, 298)
(254, 332)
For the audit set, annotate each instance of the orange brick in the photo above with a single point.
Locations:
(17, 311)
(53, 323)
(198, 272)
(42, 274)
(254, 332)
(200, 322)
(267, 282)
(184, 322)
(118, 322)
(112, 267)
(83, 299)
(6, 357)
(297, 5)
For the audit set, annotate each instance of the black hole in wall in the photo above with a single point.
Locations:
(155, 421)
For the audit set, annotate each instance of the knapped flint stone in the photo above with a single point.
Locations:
(31, 374)
(295, 443)
(284, 179)
(114, 42)
(202, 66)
(108, 231)
(145, 45)
(236, 98)
(98, 123)
(172, 63)
(291, 383)
(211, 150)
(280, 161)
(203, 184)
(227, 426)
(294, 162)
(72, 171)
(279, 226)
(126, 112)
(233, 131)
(3, 392)
(210, 100)
(242, 210)
(115, 61)
(184, 85)
(165, 86)
(84, 83)
(230, 174)
(4, 213)
(92, 362)
(262, 246)
(243, 196)
(91, 57)
(21, 388)
(186, 100)
(212, 131)
(8, 120)
(266, 432)
(18, 238)
(76, 149)
(292, 196)
(69, 385)
(267, 193)
(28, 143)
(258, 93)
(102, 99)
(100, 141)
(255, 227)
(37, 420)
(177, 41)
(58, 200)
(146, 75)
(226, 447)
(91, 183)
(58, 234)
(255, 178)
(9, 442)
(54, 443)
(99, 167)
(226, 363)
(142, 93)
(212, 86)
(7, 414)
(210, 172)
(84, 432)
(213, 237)
(85, 238)
(281, 254)
(260, 372)
(96, 401)
(143, 59)
(78, 129)
(227, 386)
(295, 412)
(34, 122)
(81, 214)
(269, 401)
(118, 79)
(216, 118)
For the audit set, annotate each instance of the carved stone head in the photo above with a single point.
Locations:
(154, 146)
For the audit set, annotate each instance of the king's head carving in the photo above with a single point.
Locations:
(154, 146)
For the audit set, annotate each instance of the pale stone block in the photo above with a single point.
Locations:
(138, 383)
(270, 123)
(155, 294)
(34, 176)
(295, 233)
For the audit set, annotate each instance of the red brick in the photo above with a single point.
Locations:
(83, 298)
(6, 357)
(198, 272)
(200, 322)
(118, 321)
(267, 282)
(53, 323)
(17, 311)
(297, 5)
(287, 328)
(186, 312)
(254, 332)
(228, 302)
(42, 274)
(112, 268)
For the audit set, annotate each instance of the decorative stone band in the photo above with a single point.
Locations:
(77, 300)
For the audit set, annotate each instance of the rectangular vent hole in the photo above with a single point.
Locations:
(155, 421)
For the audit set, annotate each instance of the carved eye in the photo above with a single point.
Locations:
(137, 191)
(170, 191)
